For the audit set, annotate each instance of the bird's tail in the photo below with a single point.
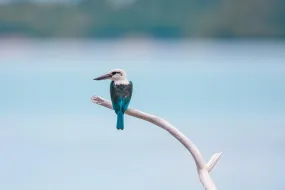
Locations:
(120, 120)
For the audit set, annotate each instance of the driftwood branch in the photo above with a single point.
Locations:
(203, 169)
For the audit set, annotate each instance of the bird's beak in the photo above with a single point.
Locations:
(103, 77)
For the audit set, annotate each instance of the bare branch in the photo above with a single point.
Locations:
(202, 168)
(213, 161)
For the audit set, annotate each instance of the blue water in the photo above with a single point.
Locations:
(225, 95)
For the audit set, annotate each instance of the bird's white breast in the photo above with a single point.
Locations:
(121, 82)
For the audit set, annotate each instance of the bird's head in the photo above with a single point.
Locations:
(114, 75)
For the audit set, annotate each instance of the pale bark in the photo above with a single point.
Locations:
(203, 168)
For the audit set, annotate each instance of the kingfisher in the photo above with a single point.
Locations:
(121, 93)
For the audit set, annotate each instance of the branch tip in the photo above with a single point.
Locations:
(97, 100)
(213, 161)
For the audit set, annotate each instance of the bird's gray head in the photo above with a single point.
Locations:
(114, 75)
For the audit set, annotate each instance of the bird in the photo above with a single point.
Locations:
(121, 93)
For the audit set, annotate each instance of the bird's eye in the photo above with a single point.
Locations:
(113, 73)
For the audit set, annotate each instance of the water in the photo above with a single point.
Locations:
(225, 95)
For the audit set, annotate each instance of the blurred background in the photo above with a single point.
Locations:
(214, 69)
(142, 18)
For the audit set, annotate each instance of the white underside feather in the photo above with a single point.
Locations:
(124, 82)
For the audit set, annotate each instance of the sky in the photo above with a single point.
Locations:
(226, 96)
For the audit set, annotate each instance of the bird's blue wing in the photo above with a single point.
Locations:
(121, 96)
(128, 91)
